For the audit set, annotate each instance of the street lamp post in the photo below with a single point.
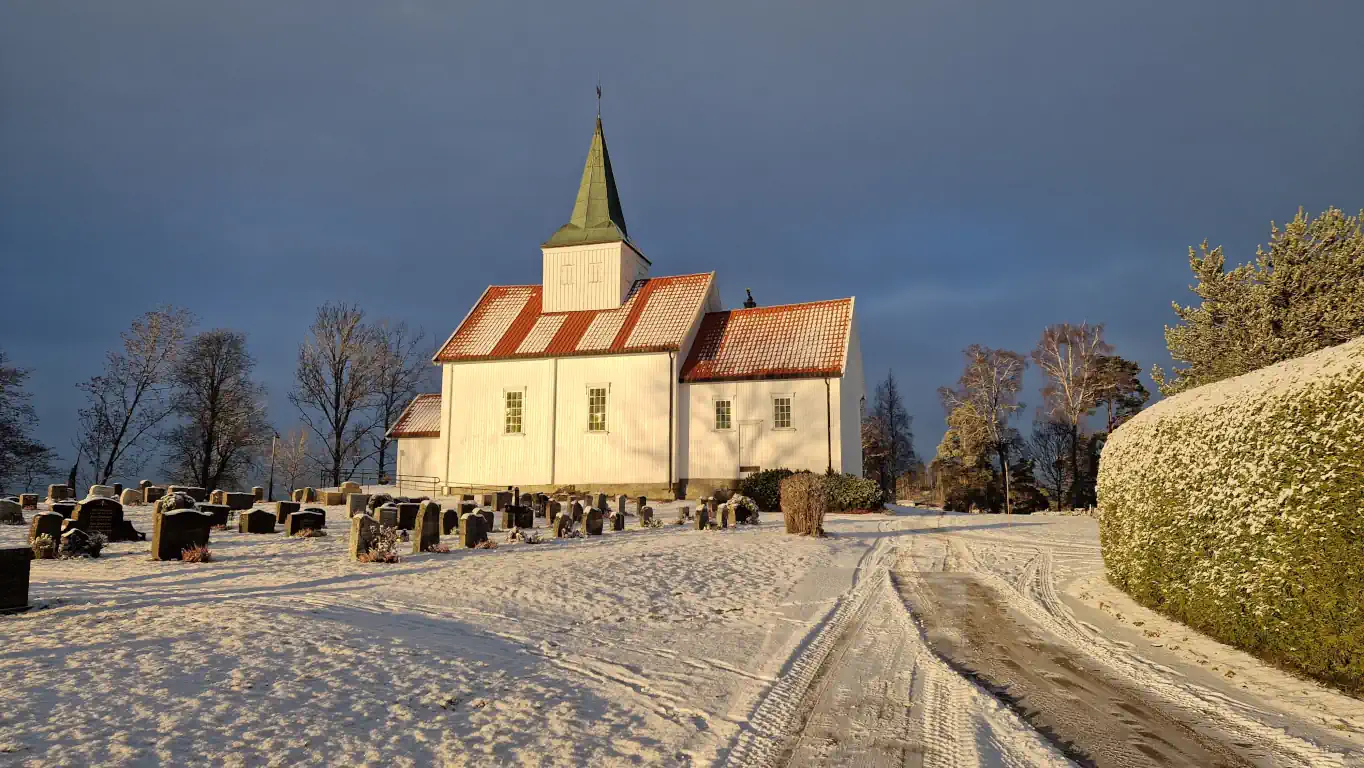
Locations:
(273, 442)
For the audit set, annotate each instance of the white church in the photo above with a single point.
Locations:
(603, 377)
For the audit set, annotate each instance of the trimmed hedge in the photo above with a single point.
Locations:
(1238, 509)
(765, 488)
(851, 492)
(804, 501)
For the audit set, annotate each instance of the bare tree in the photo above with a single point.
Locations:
(222, 410)
(1048, 445)
(128, 401)
(887, 439)
(335, 384)
(21, 457)
(402, 364)
(990, 385)
(293, 459)
(1069, 356)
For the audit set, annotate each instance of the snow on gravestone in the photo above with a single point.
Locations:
(364, 533)
(49, 523)
(176, 530)
(646, 516)
(426, 532)
(357, 504)
(152, 493)
(58, 493)
(11, 513)
(131, 497)
(388, 515)
(592, 522)
(617, 521)
(472, 530)
(239, 501)
(487, 515)
(14, 569)
(256, 521)
(305, 519)
(283, 509)
(103, 491)
(97, 514)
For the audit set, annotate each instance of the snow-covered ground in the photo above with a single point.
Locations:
(664, 646)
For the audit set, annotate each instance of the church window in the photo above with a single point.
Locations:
(566, 274)
(724, 411)
(514, 409)
(596, 409)
(781, 412)
(594, 269)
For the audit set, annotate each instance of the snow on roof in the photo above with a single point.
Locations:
(779, 342)
(421, 418)
(508, 322)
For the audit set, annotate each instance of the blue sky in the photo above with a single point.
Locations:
(970, 170)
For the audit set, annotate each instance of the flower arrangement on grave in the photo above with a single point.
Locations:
(385, 547)
(196, 554)
(44, 547)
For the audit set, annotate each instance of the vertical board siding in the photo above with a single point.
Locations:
(480, 452)
(715, 453)
(634, 449)
(617, 271)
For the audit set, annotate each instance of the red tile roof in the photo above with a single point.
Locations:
(779, 342)
(508, 322)
(421, 418)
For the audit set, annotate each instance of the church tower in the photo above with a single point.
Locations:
(590, 263)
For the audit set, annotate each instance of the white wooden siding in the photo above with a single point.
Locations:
(420, 457)
(595, 276)
(715, 453)
(851, 388)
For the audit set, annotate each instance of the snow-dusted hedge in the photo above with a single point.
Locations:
(1238, 508)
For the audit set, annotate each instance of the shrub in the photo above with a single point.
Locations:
(44, 547)
(196, 554)
(78, 543)
(742, 509)
(765, 488)
(385, 547)
(378, 500)
(1238, 508)
(848, 492)
(804, 500)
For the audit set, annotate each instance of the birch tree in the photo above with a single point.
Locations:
(1069, 357)
(401, 366)
(126, 404)
(335, 384)
(294, 459)
(989, 385)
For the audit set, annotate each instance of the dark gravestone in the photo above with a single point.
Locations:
(601, 502)
(466, 497)
(561, 525)
(516, 495)
(488, 523)
(426, 532)
(501, 500)
(485, 499)
(283, 509)
(118, 490)
(551, 512)
(99, 515)
(621, 501)
(364, 533)
(319, 511)
(152, 493)
(508, 517)
(473, 529)
(449, 520)
(407, 516)
(702, 521)
(523, 517)
(725, 513)
(577, 512)
(196, 493)
(177, 530)
(58, 492)
(218, 511)
(592, 522)
(388, 515)
(14, 567)
(646, 516)
(28, 500)
(49, 523)
(305, 519)
(642, 502)
(256, 521)
(63, 508)
(11, 513)
(617, 521)
(239, 501)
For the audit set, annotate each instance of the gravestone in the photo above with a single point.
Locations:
(349, 487)
(642, 502)
(388, 515)
(256, 521)
(617, 521)
(333, 498)
(702, 522)
(592, 522)
(426, 532)
(195, 492)
(501, 500)
(449, 520)
(524, 516)
(152, 493)
(516, 495)
(621, 502)
(118, 490)
(103, 491)
(11, 513)
(99, 515)
(577, 512)
(472, 530)
(217, 497)
(466, 497)
(144, 483)
(58, 493)
(305, 519)
(217, 511)
(130, 497)
(283, 509)
(63, 508)
(49, 523)
(14, 568)
(28, 500)
(239, 501)
(357, 503)
(407, 516)
(721, 495)
(646, 516)
(725, 514)
(601, 502)
(508, 517)
(364, 532)
(485, 499)
(177, 500)
(377, 500)
(551, 512)
(561, 525)
(177, 530)
(487, 515)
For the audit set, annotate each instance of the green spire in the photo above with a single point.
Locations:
(597, 217)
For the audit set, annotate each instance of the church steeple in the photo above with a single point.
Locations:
(597, 216)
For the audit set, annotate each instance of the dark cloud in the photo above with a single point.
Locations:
(969, 170)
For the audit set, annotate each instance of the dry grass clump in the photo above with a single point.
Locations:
(486, 544)
(804, 502)
(196, 554)
(440, 549)
(44, 547)
(310, 533)
(384, 549)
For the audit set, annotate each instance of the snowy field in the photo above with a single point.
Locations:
(664, 646)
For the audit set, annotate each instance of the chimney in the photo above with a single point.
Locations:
(749, 303)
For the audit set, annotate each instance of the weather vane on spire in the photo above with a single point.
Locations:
(599, 97)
